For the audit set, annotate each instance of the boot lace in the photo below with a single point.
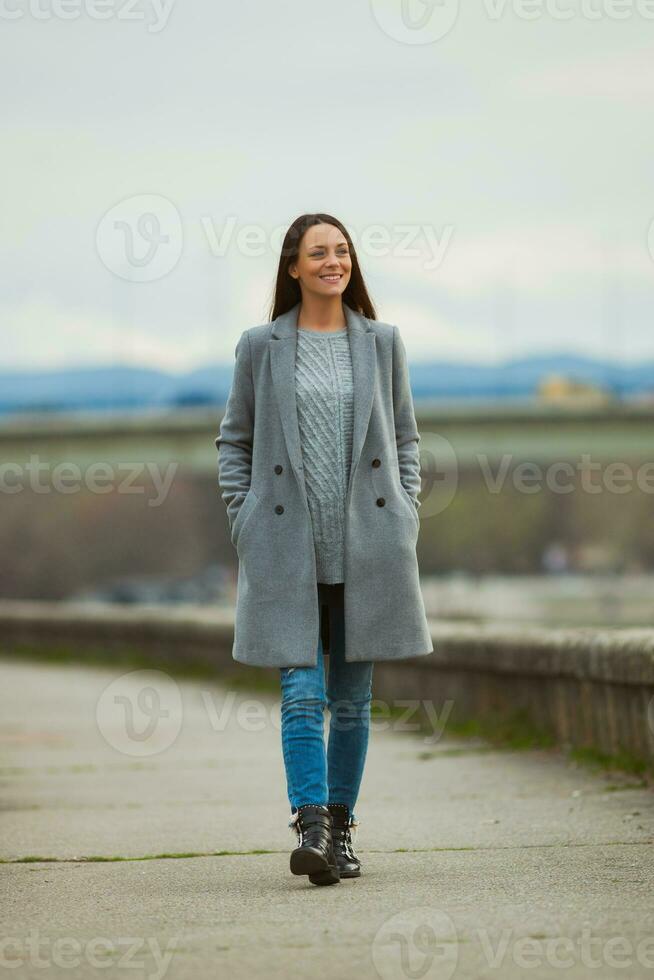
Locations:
(343, 839)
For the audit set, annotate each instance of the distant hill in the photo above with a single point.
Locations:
(107, 388)
(521, 377)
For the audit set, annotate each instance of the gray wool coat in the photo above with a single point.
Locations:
(260, 473)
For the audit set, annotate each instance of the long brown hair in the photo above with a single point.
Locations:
(287, 289)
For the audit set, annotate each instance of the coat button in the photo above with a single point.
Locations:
(279, 509)
(376, 462)
(380, 501)
(279, 468)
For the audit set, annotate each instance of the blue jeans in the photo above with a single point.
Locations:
(314, 775)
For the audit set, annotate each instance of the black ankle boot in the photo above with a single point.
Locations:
(348, 863)
(314, 855)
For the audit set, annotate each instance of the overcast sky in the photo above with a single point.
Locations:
(493, 164)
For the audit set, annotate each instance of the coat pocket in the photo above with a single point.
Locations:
(250, 501)
(412, 506)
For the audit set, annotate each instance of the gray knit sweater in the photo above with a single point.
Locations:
(325, 407)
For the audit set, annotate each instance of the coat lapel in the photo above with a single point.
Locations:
(283, 343)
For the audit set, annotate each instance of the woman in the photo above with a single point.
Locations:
(319, 469)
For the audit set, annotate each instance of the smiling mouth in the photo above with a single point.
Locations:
(333, 277)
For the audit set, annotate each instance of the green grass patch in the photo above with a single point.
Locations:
(623, 761)
(113, 859)
(499, 731)
(514, 731)
(101, 859)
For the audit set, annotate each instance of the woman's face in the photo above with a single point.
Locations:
(323, 266)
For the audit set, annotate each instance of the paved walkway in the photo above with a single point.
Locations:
(477, 862)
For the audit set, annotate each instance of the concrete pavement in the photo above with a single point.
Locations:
(144, 833)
